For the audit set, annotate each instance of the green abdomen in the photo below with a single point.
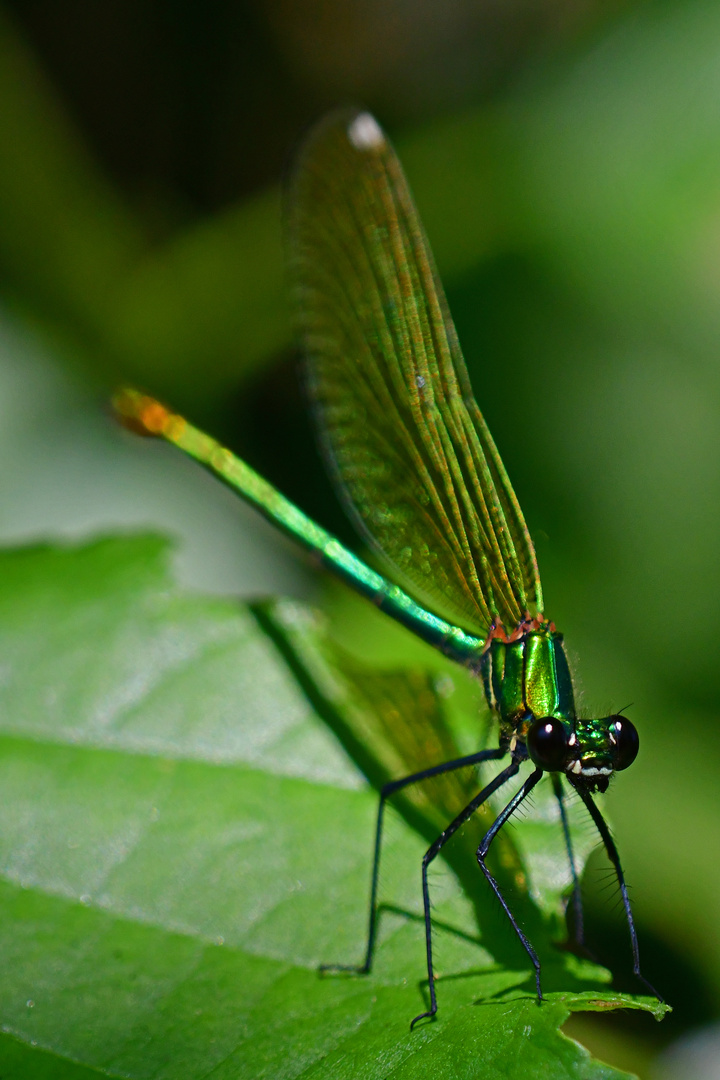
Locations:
(528, 678)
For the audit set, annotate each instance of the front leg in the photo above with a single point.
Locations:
(612, 851)
(576, 899)
(482, 851)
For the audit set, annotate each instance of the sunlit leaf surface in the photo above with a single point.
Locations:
(183, 839)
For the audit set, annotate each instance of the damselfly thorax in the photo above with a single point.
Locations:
(528, 685)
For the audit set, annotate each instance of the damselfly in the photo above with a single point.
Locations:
(422, 479)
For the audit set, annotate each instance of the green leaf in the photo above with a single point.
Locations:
(183, 840)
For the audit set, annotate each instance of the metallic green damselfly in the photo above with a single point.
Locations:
(423, 481)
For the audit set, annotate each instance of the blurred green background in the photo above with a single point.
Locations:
(565, 157)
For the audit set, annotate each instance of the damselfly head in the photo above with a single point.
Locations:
(587, 751)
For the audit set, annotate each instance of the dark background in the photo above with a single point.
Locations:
(566, 161)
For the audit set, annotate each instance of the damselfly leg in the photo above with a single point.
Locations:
(612, 853)
(576, 898)
(389, 789)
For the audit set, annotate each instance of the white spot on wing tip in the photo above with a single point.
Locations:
(365, 133)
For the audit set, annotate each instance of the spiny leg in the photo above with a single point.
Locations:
(614, 857)
(432, 852)
(579, 934)
(388, 790)
(482, 851)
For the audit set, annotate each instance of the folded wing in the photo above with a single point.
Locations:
(405, 438)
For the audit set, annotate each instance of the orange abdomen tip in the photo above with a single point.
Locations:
(140, 413)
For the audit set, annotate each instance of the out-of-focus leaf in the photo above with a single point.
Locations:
(65, 237)
(79, 263)
(182, 842)
(212, 297)
(607, 162)
(618, 159)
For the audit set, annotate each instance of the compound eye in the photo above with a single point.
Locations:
(547, 744)
(626, 741)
